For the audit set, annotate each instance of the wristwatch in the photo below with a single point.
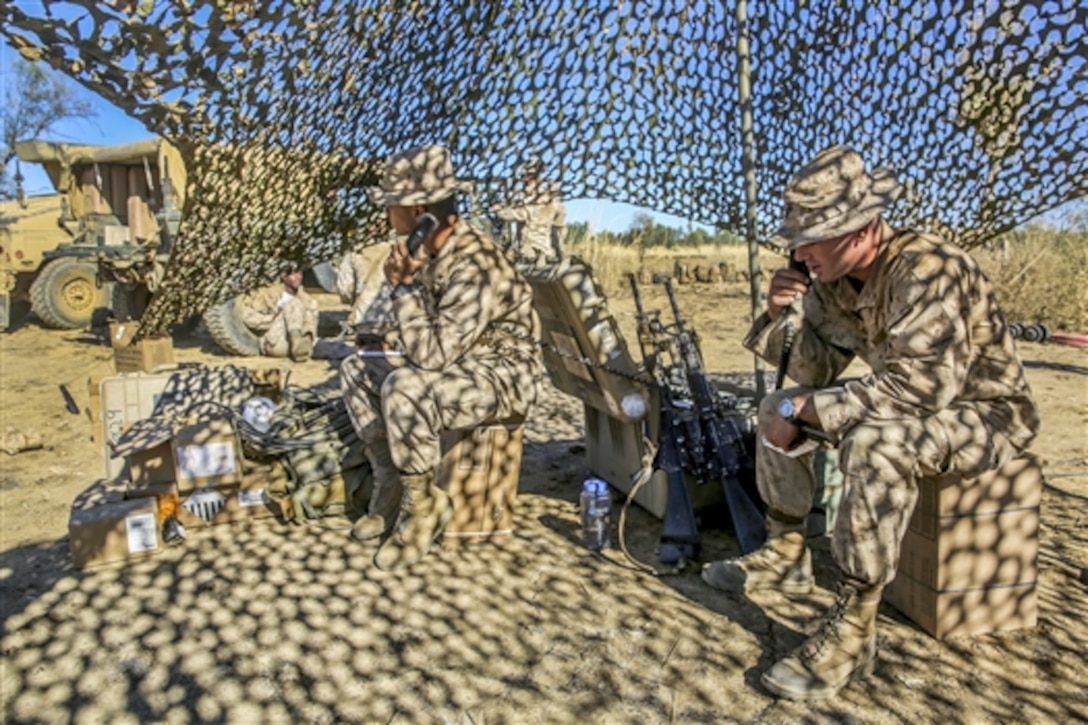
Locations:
(789, 411)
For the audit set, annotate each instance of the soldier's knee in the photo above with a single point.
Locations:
(402, 387)
(878, 444)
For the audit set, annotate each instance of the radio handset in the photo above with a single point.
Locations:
(426, 224)
(790, 325)
(798, 266)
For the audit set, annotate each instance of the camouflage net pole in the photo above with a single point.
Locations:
(748, 168)
(282, 108)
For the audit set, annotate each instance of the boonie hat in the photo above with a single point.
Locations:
(420, 175)
(833, 195)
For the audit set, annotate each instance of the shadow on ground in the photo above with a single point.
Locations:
(263, 622)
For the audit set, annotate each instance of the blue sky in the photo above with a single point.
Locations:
(112, 126)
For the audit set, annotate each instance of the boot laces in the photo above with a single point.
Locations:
(828, 630)
(407, 504)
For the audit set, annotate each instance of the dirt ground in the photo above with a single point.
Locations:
(268, 622)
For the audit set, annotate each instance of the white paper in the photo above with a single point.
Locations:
(205, 504)
(206, 459)
(253, 497)
(142, 533)
(807, 447)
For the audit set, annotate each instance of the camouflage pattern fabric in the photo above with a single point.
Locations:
(283, 110)
(361, 283)
(947, 391)
(266, 312)
(540, 215)
(881, 460)
(466, 330)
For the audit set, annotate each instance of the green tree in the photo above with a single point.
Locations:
(35, 100)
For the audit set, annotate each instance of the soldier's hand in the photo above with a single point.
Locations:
(400, 267)
(787, 285)
(782, 433)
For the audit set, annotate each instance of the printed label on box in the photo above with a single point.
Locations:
(142, 533)
(253, 497)
(205, 504)
(206, 460)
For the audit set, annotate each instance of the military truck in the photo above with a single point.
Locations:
(119, 209)
(68, 294)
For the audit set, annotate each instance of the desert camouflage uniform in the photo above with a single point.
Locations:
(947, 392)
(262, 313)
(542, 212)
(361, 283)
(467, 331)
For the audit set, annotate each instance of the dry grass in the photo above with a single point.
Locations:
(1040, 275)
(612, 262)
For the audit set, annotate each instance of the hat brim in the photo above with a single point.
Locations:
(881, 197)
(383, 197)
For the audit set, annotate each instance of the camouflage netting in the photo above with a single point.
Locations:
(282, 107)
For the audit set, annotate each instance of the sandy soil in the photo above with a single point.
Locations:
(266, 622)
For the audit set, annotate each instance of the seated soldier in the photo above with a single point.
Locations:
(283, 315)
(467, 338)
(947, 393)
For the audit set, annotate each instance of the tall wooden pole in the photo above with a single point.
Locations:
(748, 166)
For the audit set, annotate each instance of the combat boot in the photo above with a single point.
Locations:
(844, 646)
(300, 345)
(425, 510)
(783, 563)
(381, 511)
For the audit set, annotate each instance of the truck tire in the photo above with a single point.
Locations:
(225, 325)
(65, 296)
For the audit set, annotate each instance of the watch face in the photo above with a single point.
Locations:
(786, 409)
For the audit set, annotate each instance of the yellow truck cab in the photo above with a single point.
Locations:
(102, 241)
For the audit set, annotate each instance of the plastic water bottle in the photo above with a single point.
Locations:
(596, 501)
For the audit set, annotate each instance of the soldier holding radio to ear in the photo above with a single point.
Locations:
(466, 352)
(946, 392)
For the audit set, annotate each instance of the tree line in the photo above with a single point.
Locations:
(645, 232)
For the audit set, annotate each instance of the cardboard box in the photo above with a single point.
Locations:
(207, 455)
(1017, 484)
(152, 466)
(967, 611)
(479, 469)
(968, 561)
(146, 355)
(971, 552)
(198, 456)
(103, 529)
(94, 407)
(122, 333)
